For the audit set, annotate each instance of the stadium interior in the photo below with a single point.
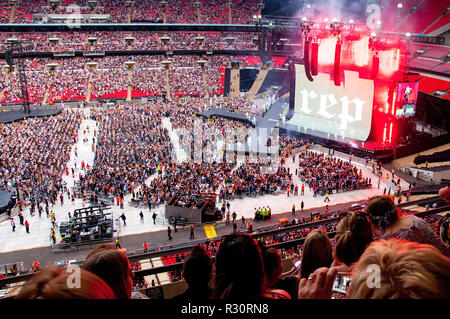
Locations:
(156, 126)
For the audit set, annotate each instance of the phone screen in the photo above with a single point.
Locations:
(297, 264)
(341, 283)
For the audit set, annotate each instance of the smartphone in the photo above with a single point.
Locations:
(341, 283)
(297, 264)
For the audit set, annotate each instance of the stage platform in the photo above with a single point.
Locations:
(17, 115)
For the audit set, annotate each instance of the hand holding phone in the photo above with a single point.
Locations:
(319, 285)
(341, 283)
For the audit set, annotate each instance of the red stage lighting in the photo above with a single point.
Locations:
(314, 58)
(389, 62)
(326, 51)
(375, 66)
(337, 64)
(361, 52)
(306, 61)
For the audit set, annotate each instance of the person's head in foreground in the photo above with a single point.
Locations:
(114, 268)
(388, 269)
(382, 211)
(317, 252)
(389, 221)
(408, 270)
(197, 270)
(239, 268)
(55, 282)
(444, 193)
(273, 266)
(353, 234)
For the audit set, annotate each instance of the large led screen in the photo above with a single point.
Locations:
(407, 99)
(344, 110)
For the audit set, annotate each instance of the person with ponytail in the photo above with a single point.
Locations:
(353, 235)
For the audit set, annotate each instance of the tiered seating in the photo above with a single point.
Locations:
(5, 11)
(426, 64)
(426, 14)
(110, 80)
(436, 52)
(139, 282)
(429, 85)
(244, 10)
(443, 20)
(149, 11)
(408, 161)
(444, 68)
(112, 41)
(431, 51)
(173, 259)
(177, 11)
(389, 13)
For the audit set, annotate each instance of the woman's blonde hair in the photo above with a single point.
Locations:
(407, 270)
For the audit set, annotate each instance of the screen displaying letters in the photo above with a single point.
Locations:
(344, 110)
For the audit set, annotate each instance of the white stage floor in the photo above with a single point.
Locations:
(40, 227)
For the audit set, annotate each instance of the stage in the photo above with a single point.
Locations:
(17, 115)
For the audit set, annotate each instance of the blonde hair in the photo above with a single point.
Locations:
(407, 271)
(52, 283)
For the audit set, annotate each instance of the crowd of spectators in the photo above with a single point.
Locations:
(254, 179)
(325, 174)
(132, 143)
(362, 238)
(35, 153)
(357, 235)
(288, 144)
(189, 178)
(138, 40)
(111, 77)
(147, 11)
